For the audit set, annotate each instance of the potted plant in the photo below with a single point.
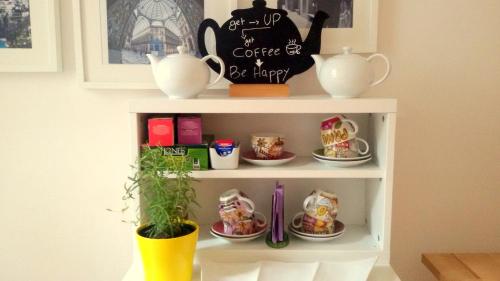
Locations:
(166, 238)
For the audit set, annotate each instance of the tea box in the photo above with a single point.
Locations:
(161, 131)
(198, 154)
(189, 130)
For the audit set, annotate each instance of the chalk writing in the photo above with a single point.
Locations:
(293, 48)
(261, 45)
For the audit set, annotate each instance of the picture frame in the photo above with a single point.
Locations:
(93, 69)
(44, 54)
(362, 37)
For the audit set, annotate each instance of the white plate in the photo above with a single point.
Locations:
(343, 164)
(288, 156)
(318, 153)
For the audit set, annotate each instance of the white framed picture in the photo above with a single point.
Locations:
(114, 36)
(352, 23)
(30, 36)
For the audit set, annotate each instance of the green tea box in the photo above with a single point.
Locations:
(198, 154)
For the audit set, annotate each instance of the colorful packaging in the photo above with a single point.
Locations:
(161, 131)
(189, 131)
(197, 153)
(199, 156)
(224, 147)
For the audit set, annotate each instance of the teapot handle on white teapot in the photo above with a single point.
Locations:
(222, 67)
(387, 71)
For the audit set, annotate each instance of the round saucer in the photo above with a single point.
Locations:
(339, 231)
(250, 157)
(217, 230)
(343, 164)
(237, 239)
(319, 154)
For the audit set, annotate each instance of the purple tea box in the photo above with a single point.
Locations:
(189, 130)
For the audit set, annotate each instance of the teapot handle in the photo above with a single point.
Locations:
(222, 67)
(388, 64)
(208, 23)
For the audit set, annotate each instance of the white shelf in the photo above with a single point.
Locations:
(370, 201)
(293, 104)
(301, 167)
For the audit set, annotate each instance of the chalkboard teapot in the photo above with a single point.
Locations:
(261, 45)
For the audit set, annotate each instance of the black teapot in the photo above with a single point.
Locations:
(262, 45)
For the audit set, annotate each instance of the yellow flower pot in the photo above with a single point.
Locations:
(168, 259)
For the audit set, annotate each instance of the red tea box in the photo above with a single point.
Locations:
(161, 131)
(189, 130)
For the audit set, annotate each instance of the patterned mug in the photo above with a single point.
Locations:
(347, 149)
(313, 225)
(268, 146)
(238, 214)
(320, 212)
(236, 223)
(337, 129)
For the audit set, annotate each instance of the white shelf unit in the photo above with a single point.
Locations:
(365, 192)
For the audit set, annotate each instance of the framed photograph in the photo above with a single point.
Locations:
(352, 23)
(29, 36)
(114, 36)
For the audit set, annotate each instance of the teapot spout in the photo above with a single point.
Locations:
(313, 41)
(154, 60)
(318, 60)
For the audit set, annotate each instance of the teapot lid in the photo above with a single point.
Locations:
(347, 50)
(182, 52)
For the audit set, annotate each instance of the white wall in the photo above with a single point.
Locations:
(64, 150)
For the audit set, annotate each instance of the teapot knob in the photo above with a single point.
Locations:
(347, 50)
(259, 3)
(182, 50)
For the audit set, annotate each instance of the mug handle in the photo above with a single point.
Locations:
(222, 68)
(366, 145)
(264, 219)
(307, 201)
(295, 218)
(354, 125)
(250, 203)
(388, 68)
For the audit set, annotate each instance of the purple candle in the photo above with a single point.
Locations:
(277, 228)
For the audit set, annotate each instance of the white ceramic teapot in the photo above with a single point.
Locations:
(182, 76)
(348, 75)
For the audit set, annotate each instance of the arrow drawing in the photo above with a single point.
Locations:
(259, 63)
(243, 35)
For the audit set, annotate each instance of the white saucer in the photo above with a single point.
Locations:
(318, 153)
(343, 164)
(318, 237)
(236, 239)
(217, 231)
(250, 157)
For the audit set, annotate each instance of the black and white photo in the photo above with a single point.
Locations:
(140, 27)
(15, 24)
(302, 12)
